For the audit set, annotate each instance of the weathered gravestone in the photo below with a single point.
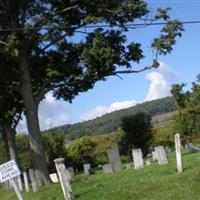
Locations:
(114, 159)
(64, 181)
(161, 155)
(137, 158)
(179, 162)
(154, 156)
(33, 180)
(86, 168)
(107, 168)
(71, 171)
(192, 148)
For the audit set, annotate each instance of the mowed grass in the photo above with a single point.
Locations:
(151, 183)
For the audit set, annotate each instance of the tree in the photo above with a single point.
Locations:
(137, 133)
(54, 143)
(188, 117)
(36, 36)
(82, 151)
(11, 107)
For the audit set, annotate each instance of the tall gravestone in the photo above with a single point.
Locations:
(33, 180)
(64, 181)
(161, 155)
(26, 183)
(114, 159)
(138, 158)
(179, 161)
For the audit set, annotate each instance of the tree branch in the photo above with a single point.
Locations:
(133, 71)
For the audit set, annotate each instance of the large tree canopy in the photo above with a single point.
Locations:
(36, 37)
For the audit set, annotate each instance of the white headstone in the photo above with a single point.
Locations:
(179, 161)
(137, 158)
(161, 155)
(86, 168)
(26, 183)
(54, 178)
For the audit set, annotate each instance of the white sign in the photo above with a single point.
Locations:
(8, 171)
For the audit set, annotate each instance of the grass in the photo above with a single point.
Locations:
(151, 183)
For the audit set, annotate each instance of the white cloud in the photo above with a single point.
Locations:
(51, 113)
(101, 110)
(160, 82)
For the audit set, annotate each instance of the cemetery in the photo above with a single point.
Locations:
(169, 176)
(98, 100)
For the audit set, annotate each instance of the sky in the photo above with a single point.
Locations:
(181, 66)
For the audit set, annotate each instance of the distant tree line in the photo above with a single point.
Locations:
(109, 123)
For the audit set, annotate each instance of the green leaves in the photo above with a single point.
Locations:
(164, 43)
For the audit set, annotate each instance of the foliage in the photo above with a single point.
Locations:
(188, 117)
(105, 142)
(82, 151)
(54, 144)
(137, 133)
(110, 122)
(164, 134)
(23, 151)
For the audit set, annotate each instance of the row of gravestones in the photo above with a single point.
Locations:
(30, 178)
(115, 165)
(24, 181)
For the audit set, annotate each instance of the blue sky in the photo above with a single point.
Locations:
(182, 65)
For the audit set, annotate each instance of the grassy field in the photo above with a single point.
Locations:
(151, 183)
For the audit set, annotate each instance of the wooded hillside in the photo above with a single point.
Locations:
(110, 122)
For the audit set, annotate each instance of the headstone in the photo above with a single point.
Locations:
(26, 183)
(179, 161)
(137, 158)
(161, 155)
(192, 149)
(19, 183)
(38, 178)
(54, 177)
(154, 156)
(167, 150)
(86, 168)
(107, 168)
(114, 159)
(69, 176)
(148, 162)
(71, 170)
(33, 180)
(64, 181)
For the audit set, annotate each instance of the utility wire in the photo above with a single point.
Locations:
(128, 25)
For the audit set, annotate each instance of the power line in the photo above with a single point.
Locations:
(128, 25)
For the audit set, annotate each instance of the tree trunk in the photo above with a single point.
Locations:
(31, 113)
(5, 140)
(11, 143)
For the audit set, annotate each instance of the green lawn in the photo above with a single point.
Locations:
(151, 183)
